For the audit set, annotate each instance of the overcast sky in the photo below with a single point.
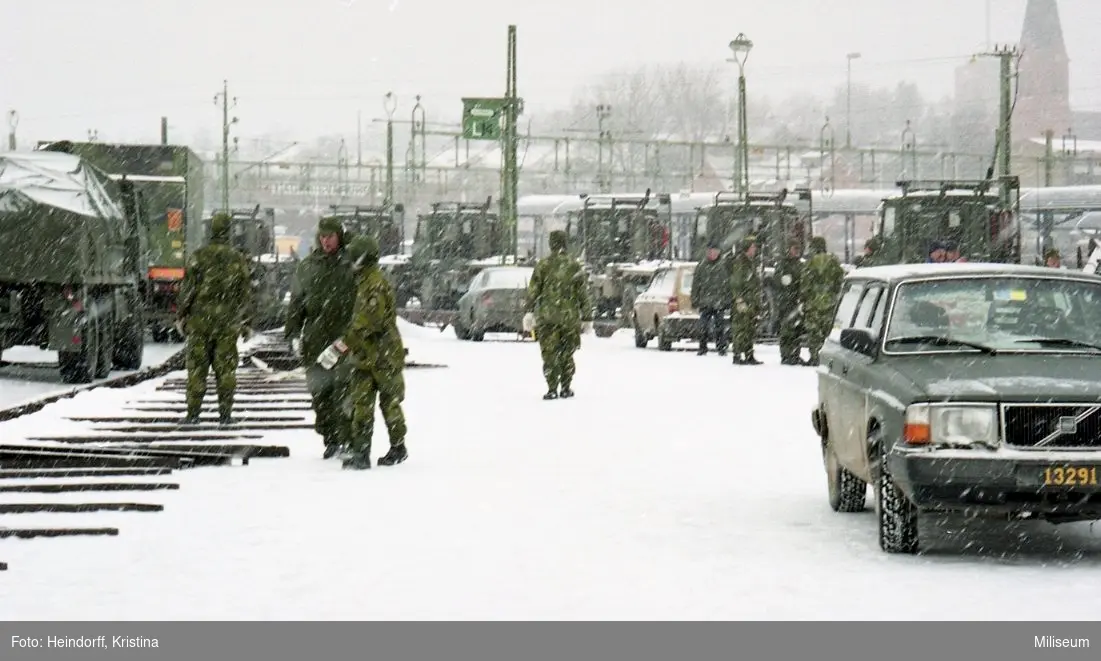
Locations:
(307, 66)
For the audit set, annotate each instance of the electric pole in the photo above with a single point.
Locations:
(227, 103)
(1007, 55)
(510, 171)
(603, 112)
(13, 123)
(415, 166)
(389, 104)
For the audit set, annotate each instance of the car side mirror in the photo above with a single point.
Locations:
(859, 340)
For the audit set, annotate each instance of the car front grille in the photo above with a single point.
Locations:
(1052, 426)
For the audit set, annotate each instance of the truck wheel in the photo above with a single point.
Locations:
(130, 347)
(80, 366)
(847, 491)
(106, 351)
(897, 516)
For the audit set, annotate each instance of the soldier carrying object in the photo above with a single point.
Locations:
(215, 299)
(746, 289)
(822, 278)
(375, 355)
(711, 297)
(320, 308)
(557, 307)
(789, 275)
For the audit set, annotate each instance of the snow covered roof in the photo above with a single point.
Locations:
(904, 271)
(58, 180)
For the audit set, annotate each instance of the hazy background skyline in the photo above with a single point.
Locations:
(306, 68)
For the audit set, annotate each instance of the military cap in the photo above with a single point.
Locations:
(818, 244)
(364, 247)
(330, 226)
(558, 240)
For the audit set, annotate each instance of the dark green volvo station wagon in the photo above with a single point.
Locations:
(962, 387)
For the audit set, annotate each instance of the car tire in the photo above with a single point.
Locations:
(847, 492)
(665, 343)
(641, 340)
(460, 332)
(896, 515)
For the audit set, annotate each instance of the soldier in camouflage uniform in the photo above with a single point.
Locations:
(376, 353)
(214, 303)
(871, 247)
(711, 298)
(746, 286)
(822, 278)
(789, 276)
(321, 303)
(558, 298)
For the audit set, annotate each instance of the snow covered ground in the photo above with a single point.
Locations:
(33, 372)
(672, 487)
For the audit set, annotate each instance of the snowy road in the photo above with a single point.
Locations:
(33, 372)
(672, 487)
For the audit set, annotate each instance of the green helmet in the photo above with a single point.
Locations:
(818, 245)
(363, 249)
(220, 225)
(557, 240)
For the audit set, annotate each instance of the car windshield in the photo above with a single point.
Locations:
(507, 278)
(995, 313)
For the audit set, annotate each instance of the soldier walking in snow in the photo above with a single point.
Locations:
(746, 285)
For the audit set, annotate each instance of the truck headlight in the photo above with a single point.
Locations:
(951, 424)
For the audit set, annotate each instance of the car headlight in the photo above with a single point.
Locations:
(951, 424)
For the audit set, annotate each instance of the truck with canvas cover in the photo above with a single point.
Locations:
(452, 242)
(170, 183)
(926, 220)
(71, 264)
(386, 223)
(775, 218)
(621, 240)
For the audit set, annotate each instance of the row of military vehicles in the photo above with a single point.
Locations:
(94, 241)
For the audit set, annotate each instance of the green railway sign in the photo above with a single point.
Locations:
(482, 118)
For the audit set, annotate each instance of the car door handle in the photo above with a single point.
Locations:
(844, 370)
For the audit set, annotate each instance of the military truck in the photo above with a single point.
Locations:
(71, 263)
(621, 240)
(774, 218)
(453, 242)
(387, 224)
(981, 217)
(169, 181)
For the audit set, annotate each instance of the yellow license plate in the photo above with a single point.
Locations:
(1070, 476)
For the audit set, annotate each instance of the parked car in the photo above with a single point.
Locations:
(963, 387)
(493, 303)
(664, 309)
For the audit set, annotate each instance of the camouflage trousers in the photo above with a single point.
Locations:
(217, 350)
(367, 388)
(743, 330)
(557, 344)
(818, 324)
(791, 331)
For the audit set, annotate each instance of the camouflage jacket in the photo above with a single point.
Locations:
(322, 297)
(216, 293)
(746, 284)
(822, 277)
(788, 278)
(558, 293)
(373, 339)
(711, 284)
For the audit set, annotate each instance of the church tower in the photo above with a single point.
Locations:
(1043, 86)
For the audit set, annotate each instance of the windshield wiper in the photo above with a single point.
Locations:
(1061, 342)
(945, 342)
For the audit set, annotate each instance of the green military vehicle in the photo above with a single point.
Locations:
(775, 219)
(387, 224)
(622, 240)
(71, 263)
(169, 181)
(453, 242)
(979, 218)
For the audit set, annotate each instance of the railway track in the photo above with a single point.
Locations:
(136, 449)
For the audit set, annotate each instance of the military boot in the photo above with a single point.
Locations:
(332, 449)
(395, 456)
(359, 460)
(750, 360)
(565, 392)
(190, 419)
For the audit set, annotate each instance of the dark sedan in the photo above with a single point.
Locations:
(494, 303)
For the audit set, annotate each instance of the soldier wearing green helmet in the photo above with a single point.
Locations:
(214, 302)
(822, 279)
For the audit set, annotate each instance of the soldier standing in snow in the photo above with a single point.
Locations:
(215, 296)
(822, 279)
(711, 298)
(789, 275)
(746, 285)
(557, 306)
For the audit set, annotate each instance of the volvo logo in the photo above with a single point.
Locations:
(1067, 424)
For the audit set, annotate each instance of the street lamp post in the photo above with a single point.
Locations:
(740, 47)
(389, 104)
(849, 99)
